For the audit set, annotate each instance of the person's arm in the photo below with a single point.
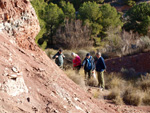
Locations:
(84, 61)
(104, 65)
(55, 56)
(93, 65)
(63, 55)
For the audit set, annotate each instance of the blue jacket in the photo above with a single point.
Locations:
(86, 65)
(100, 65)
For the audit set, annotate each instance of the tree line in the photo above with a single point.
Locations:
(63, 23)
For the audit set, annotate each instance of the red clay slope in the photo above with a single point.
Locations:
(140, 62)
(29, 81)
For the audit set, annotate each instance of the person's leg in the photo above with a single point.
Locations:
(89, 75)
(61, 66)
(85, 72)
(77, 68)
(102, 82)
(98, 79)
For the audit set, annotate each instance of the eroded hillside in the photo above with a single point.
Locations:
(29, 81)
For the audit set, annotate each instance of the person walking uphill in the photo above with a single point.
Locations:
(59, 58)
(76, 62)
(100, 68)
(89, 67)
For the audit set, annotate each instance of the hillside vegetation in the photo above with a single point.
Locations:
(95, 23)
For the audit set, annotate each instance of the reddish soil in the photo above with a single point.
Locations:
(140, 62)
(123, 8)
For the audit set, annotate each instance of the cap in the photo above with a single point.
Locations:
(88, 54)
(60, 50)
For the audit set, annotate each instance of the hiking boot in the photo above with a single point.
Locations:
(101, 89)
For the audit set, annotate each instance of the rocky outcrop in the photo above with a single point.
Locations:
(29, 80)
(19, 21)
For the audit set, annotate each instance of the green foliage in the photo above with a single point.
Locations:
(110, 17)
(97, 1)
(53, 16)
(99, 18)
(39, 6)
(68, 9)
(131, 2)
(90, 13)
(138, 18)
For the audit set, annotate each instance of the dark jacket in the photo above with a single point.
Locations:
(85, 64)
(59, 61)
(100, 65)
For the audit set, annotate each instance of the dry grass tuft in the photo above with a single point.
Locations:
(115, 80)
(131, 90)
(113, 94)
(96, 93)
(82, 54)
(132, 97)
(75, 77)
(92, 82)
(144, 84)
(118, 100)
(146, 98)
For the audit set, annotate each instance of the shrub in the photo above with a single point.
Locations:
(95, 93)
(138, 18)
(145, 40)
(68, 9)
(131, 90)
(113, 94)
(118, 100)
(146, 99)
(75, 78)
(125, 43)
(145, 85)
(53, 16)
(82, 54)
(110, 17)
(132, 97)
(115, 80)
(50, 52)
(67, 60)
(92, 82)
(73, 35)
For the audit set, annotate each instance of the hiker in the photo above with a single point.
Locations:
(100, 68)
(89, 67)
(59, 58)
(76, 62)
